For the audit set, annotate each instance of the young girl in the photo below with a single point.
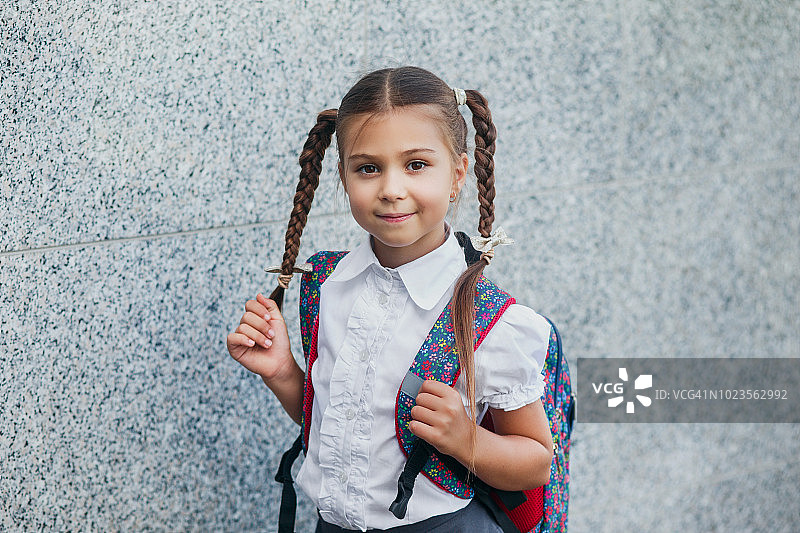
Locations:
(402, 161)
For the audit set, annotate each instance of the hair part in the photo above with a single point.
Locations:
(387, 90)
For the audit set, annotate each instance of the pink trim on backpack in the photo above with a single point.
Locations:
(308, 393)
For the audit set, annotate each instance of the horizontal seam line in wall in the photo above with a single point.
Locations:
(154, 236)
(733, 169)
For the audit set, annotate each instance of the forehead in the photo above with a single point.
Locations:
(400, 128)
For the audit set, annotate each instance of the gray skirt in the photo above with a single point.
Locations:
(473, 518)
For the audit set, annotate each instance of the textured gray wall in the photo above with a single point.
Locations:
(647, 163)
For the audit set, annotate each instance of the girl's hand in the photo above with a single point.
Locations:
(440, 419)
(261, 342)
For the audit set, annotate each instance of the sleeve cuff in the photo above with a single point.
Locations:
(519, 396)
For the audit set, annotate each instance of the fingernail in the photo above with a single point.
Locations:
(271, 333)
(267, 343)
(251, 342)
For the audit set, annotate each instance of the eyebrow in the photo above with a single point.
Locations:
(405, 153)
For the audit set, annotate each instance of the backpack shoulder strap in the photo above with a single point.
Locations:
(323, 263)
(437, 359)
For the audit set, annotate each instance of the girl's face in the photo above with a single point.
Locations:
(398, 172)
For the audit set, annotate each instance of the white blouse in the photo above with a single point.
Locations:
(372, 323)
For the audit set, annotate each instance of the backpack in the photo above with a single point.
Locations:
(540, 510)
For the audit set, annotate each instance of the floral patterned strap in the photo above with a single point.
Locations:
(437, 359)
(323, 264)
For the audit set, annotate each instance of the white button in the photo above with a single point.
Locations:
(342, 477)
(364, 355)
(350, 414)
(383, 299)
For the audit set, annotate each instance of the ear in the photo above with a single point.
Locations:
(461, 168)
(341, 175)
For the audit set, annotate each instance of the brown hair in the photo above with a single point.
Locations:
(378, 92)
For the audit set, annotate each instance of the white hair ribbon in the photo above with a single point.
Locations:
(461, 96)
(496, 238)
(284, 279)
(276, 269)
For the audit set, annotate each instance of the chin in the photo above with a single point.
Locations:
(394, 244)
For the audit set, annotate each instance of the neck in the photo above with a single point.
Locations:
(391, 257)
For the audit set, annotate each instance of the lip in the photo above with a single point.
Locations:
(394, 218)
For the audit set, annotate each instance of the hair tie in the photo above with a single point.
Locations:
(498, 237)
(487, 256)
(461, 96)
(284, 279)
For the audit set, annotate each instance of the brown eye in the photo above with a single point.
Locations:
(417, 165)
(367, 169)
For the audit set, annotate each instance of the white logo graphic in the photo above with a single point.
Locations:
(644, 381)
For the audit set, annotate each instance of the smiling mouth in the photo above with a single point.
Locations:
(396, 217)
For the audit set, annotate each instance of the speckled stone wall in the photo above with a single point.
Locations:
(647, 164)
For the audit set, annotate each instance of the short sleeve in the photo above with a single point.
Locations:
(509, 361)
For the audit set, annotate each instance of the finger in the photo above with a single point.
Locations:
(271, 307)
(436, 388)
(258, 323)
(254, 334)
(259, 318)
(429, 401)
(421, 430)
(424, 415)
(254, 306)
(240, 339)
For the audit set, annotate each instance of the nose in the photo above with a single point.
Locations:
(393, 186)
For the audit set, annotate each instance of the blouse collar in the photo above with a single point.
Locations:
(426, 278)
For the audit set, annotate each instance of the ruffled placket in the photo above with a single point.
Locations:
(346, 425)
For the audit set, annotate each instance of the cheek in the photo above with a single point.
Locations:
(438, 197)
(359, 199)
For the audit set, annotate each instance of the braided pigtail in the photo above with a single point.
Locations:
(485, 137)
(319, 138)
(464, 290)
